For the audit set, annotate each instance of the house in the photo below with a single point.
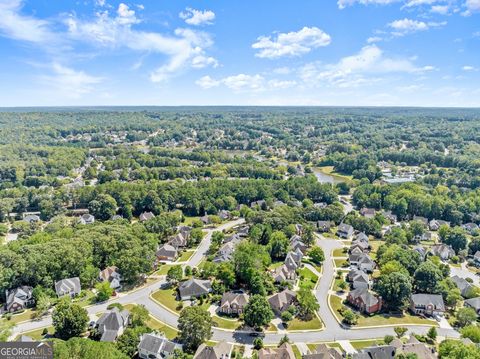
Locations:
(358, 278)
(166, 253)
(413, 347)
(243, 231)
(116, 217)
(345, 231)
(111, 274)
(18, 298)
(194, 288)
(284, 351)
(354, 255)
(220, 350)
(69, 286)
(145, 216)
(427, 304)
(225, 252)
(435, 224)
(180, 240)
(464, 286)
(420, 219)
(364, 300)
(260, 204)
(86, 219)
(224, 215)
(363, 246)
(421, 250)
(444, 251)
(293, 259)
(281, 301)
(112, 324)
(154, 346)
(234, 238)
(473, 303)
(361, 237)
(298, 229)
(284, 274)
(471, 228)
(298, 244)
(320, 205)
(367, 212)
(31, 218)
(205, 220)
(390, 216)
(324, 226)
(233, 303)
(322, 351)
(363, 262)
(425, 236)
(376, 352)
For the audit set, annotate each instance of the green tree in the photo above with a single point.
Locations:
(175, 274)
(432, 334)
(104, 291)
(472, 332)
(138, 315)
(86, 349)
(349, 317)
(257, 312)
(5, 330)
(129, 340)
(279, 244)
(316, 254)
(395, 289)
(400, 331)
(69, 320)
(88, 276)
(195, 326)
(103, 207)
(465, 316)
(307, 304)
(427, 278)
(455, 349)
(456, 238)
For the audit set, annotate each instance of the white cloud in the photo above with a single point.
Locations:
(201, 61)
(469, 68)
(281, 84)
(374, 39)
(69, 82)
(22, 27)
(100, 2)
(471, 7)
(207, 82)
(440, 9)
(126, 16)
(405, 26)
(197, 17)
(342, 4)
(244, 82)
(291, 43)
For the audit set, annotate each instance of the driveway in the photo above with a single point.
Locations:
(463, 272)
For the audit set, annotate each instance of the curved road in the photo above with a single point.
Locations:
(333, 331)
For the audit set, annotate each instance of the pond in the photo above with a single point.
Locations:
(323, 177)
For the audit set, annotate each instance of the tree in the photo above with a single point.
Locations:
(471, 332)
(286, 317)
(400, 331)
(279, 244)
(226, 274)
(427, 278)
(456, 238)
(283, 340)
(129, 340)
(104, 291)
(103, 207)
(455, 349)
(86, 349)
(5, 330)
(349, 317)
(258, 343)
(249, 259)
(307, 304)
(466, 316)
(88, 276)
(138, 315)
(395, 289)
(432, 334)
(257, 312)
(69, 320)
(175, 274)
(42, 305)
(316, 254)
(387, 339)
(195, 326)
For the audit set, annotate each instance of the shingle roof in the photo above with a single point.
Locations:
(68, 285)
(155, 343)
(426, 299)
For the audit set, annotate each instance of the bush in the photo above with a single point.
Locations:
(258, 343)
(45, 331)
(388, 339)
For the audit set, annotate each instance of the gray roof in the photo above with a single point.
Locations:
(18, 295)
(231, 298)
(367, 298)
(376, 352)
(111, 322)
(194, 287)
(473, 302)
(462, 284)
(68, 285)
(155, 343)
(422, 299)
(283, 299)
(220, 351)
(166, 250)
(345, 228)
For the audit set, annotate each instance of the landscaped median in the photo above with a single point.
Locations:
(377, 320)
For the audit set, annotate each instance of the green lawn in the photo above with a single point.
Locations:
(339, 253)
(336, 304)
(167, 297)
(336, 284)
(297, 324)
(275, 265)
(37, 334)
(189, 220)
(340, 262)
(20, 317)
(87, 299)
(308, 279)
(313, 346)
(186, 255)
(360, 344)
(225, 323)
(163, 269)
(157, 325)
(296, 351)
(329, 170)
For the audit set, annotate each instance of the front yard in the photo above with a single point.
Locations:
(167, 298)
(340, 262)
(308, 279)
(297, 324)
(38, 333)
(186, 255)
(225, 323)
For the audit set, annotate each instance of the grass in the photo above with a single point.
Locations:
(329, 170)
(167, 297)
(20, 317)
(37, 334)
(186, 255)
(336, 284)
(189, 220)
(275, 265)
(163, 270)
(154, 324)
(224, 323)
(87, 299)
(271, 328)
(313, 346)
(339, 263)
(297, 324)
(308, 279)
(336, 304)
(339, 253)
(360, 344)
(296, 351)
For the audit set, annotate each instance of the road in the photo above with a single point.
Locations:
(333, 331)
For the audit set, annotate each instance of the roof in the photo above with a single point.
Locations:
(18, 295)
(68, 285)
(194, 287)
(111, 322)
(232, 298)
(279, 300)
(426, 299)
(220, 350)
(322, 351)
(345, 228)
(145, 216)
(473, 302)
(367, 297)
(462, 284)
(285, 351)
(107, 273)
(377, 352)
(166, 250)
(155, 343)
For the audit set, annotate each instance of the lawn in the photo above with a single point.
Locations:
(339, 263)
(329, 170)
(167, 297)
(87, 299)
(297, 324)
(225, 323)
(157, 325)
(313, 346)
(163, 270)
(339, 253)
(360, 344)
(336, 284)
(189, 220)
(37, 334)
(296, 351)
(20, 317)
(275, 265)
(308, 279)
(186, 255)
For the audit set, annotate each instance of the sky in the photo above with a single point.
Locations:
(240, 52)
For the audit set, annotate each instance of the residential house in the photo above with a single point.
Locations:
(361, 237)
(376, 352)
(166, 253)
(296, 243)
(86, 219)
(224, 215)
(145, 216)
(260, 204)
(112, 324)
(233, 303)
(154, 346)
(31, 218)
(413, 347)
(435, 224)
(473, 303)
(18, 298)
(358, 278)
(225, 252)
(367, 212)
(220, 350)
(324, 226)
(194, 288)
(281, 301)
(243, 231)
(362, 261)
(293, 260)
(284, 274)
(427, 304)
(420, 219)
(322, 351)
(476, 257)
(364, 300)
(298, 229)
(390, 216)
(284, 351)
(421, 250)
(180, 240)
(471, 228)
(464, 286)
(234, 238)
(362, 245)
(444, 251)
(345, 231)
(425, 236)
(320, 205)
(69, 286)
(112, 275)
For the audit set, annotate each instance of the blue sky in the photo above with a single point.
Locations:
(268, 52)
